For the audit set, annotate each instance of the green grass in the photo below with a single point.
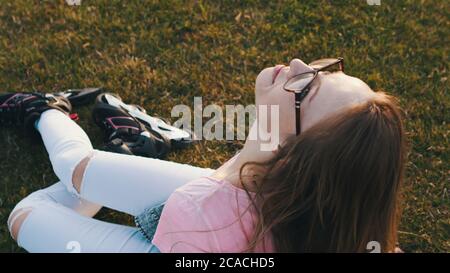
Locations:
(162, 54)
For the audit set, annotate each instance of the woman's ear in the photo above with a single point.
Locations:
(297, 66)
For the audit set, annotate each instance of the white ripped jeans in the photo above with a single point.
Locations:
(60, 218)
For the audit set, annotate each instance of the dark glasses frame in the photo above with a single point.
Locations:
(300, 94)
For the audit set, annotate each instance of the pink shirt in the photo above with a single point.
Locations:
(203, 216)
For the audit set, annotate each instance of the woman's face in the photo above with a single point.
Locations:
(336, 91)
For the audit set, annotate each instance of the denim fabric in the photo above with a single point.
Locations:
(147, 221)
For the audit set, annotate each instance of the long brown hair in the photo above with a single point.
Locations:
(335, 187)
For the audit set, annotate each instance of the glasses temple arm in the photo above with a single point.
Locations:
(298, 98)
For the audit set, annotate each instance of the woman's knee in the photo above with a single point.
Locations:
(16, 219)
(70, 167)
(23, 209)
(78, 173)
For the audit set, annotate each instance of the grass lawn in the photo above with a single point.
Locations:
(162, 54)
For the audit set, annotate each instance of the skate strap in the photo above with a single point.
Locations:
(124, 122)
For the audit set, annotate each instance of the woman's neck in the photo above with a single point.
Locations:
(255, 150)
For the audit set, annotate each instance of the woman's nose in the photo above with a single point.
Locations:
(297, 66)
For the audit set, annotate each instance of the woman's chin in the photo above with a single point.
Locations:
(264, 78)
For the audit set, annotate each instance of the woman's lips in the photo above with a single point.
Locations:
(276, 71)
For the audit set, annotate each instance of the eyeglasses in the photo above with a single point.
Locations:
(300, 84)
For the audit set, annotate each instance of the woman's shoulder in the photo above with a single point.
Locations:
(205, 215)
(206, 187)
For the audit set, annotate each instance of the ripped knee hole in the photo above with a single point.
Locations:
(78, 173)
(16, 220)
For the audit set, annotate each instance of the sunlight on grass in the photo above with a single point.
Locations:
(159, 54)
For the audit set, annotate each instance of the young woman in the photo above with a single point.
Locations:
(332, 185)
